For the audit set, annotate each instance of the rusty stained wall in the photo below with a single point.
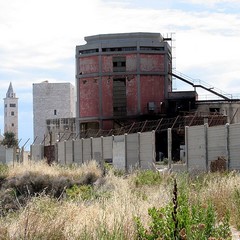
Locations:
(151, 63)
(152, 90)
(107, 103)
(107, 64)
(132, 101)
(131, 63)
(151, 86)
(107, 95)
(89, 97)
(89, 64)
(107, 124)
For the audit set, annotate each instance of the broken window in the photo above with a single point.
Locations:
(119, 64)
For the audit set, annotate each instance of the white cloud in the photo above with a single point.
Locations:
(211, 3)
(38, 38)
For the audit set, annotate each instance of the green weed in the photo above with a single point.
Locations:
(182, 220)
(85, 193)
(148, 178)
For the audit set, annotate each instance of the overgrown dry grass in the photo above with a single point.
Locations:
(105, 209)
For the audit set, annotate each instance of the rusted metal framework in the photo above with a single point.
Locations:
(177, 123)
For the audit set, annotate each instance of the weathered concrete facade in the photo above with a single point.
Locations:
(60, 129)
(51, 101)
(11, 112)
(121, 76)
(231, 109)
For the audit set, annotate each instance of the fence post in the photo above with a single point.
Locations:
(153, 146)
(206, 145)
(139, 150)
(56, 152)
(186, 147)
(227, 146)
(65, 152)
(169, 147)
(73, 151)
(91, 146)
(125, 141)
(102, 159)
(82, 149)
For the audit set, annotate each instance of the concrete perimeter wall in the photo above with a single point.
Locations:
(7, 155)
(125, 151)
(205, 144)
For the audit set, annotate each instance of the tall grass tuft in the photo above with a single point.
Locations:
(139, 205)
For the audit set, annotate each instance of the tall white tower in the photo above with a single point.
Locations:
(11, 112)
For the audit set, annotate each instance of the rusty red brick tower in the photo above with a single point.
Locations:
(121, 77)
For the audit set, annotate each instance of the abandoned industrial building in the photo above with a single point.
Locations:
(121, 78)
(124, 85)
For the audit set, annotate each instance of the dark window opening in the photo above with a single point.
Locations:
(12, 105)
(55, 112)
(12, 113)
(89, 125)
(152, 48)
(119, 97)
(119, 64)
(89, 51)
(214, 110)
(122, 49)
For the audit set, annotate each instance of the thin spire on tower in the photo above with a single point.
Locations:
(10, 93)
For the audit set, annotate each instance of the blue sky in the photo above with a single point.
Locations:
(38, 40)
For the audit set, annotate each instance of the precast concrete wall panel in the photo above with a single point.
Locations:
(69, 152)
(78, 152)
(147, 150)
(37, 152)
(132, 148)
(234, 146)
(9, 156)
(2, 154)
(87, 149)
(108, 148)
(216, 143)
(97, 149)
(196, 148)
(61, 153)
(119, 157)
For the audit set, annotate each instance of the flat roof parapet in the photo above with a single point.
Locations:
(124, 36)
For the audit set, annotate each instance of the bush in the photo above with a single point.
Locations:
(147, 177)
(85, 193)
(182, 220)
(3, 172)
(236, 203)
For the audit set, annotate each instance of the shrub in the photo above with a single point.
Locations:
(85, 193)
(3, 172)
(181, 220)
(147, 177)
(236, 203)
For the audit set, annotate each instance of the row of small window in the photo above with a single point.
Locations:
(122, 49)
(11, 105)
(12, 113)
